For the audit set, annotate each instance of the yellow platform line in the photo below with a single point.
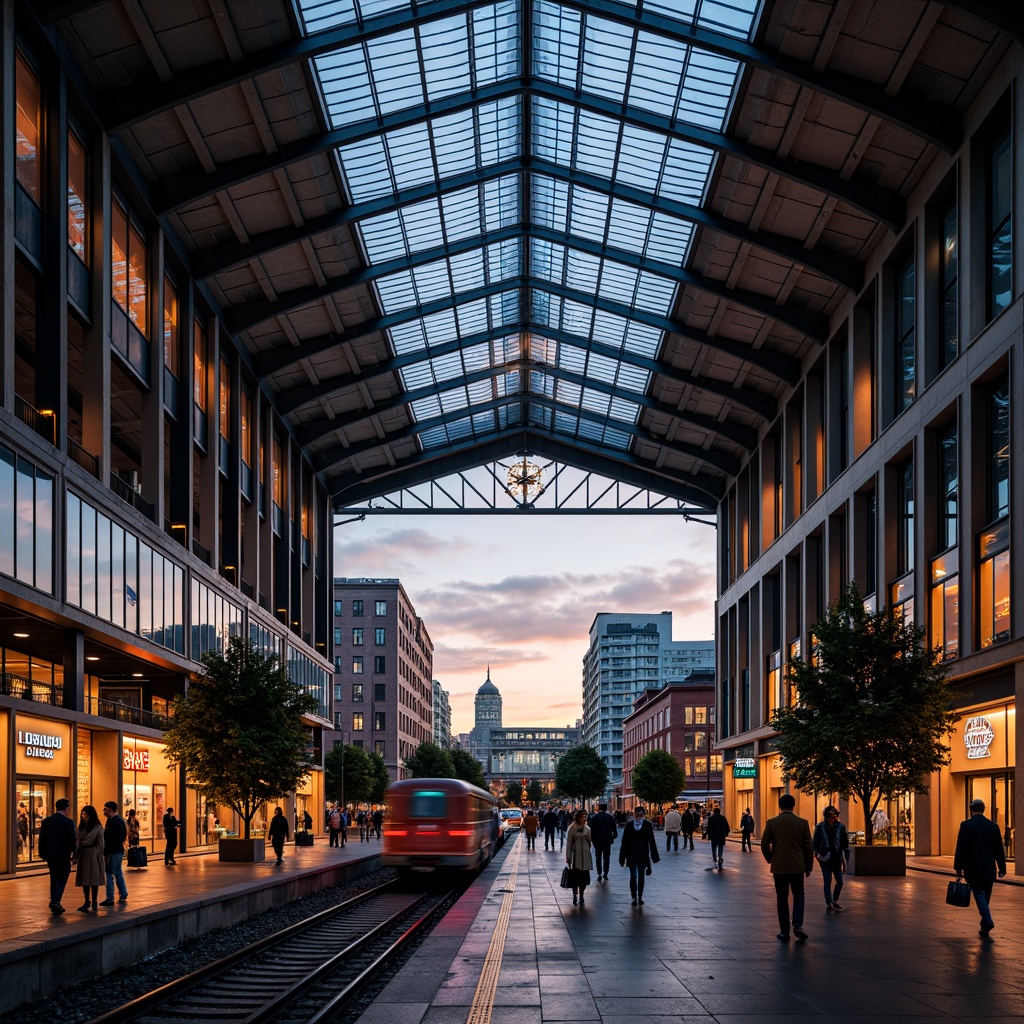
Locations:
(487, 986)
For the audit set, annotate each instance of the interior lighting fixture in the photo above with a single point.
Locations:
(21, 636)
(92, 657)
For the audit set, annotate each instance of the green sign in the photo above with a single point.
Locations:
(744, 768)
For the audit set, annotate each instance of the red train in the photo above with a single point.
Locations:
(440, 823)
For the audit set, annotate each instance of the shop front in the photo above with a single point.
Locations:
(149, 786)
(42, 776)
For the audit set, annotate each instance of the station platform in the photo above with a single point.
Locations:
(166, 905)
(703, 949)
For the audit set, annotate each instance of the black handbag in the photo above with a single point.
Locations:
(565, 883)
(958, 893)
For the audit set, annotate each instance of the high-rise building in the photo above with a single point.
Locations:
(383, 671)
(442, 717)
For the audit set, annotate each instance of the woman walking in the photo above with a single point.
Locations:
(91, 872)
(577, 856)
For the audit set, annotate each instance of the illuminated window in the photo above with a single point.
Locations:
(700, 716)
(277, 472)
(129, 268)
(357, 665)
(716, 763)
(700, 766)
(357, 721)
(247, 443)
(28, 97)
(688, 715)
(224, 394)
(78, 199)
(945, 604)
(199, 371)
(774, 682)
(172, 340)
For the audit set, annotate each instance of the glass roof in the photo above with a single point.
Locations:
(527, 202)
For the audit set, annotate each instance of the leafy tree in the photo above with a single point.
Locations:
(581, 772)
(869, 713)
(380, 776)
(534, 793)
(468, 768)
(238, 731)
(429, 761)
(350, 774)
(514, 794)
(658, 778)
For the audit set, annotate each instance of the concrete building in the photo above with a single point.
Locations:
(442, 711)
(486, 716)
(383, 671)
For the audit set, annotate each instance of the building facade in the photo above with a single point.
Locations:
(442, 717)
(527, 754)
(383, 671)
(486, 716)
(152, 501)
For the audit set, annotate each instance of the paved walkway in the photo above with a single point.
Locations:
(703, 949)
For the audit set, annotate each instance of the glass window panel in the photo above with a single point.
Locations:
(119, 255)
(117, 594)
(28, 129)
(78, 198)
(138, 280)
(24, 561)
(104, 587)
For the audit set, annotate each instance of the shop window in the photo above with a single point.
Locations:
(78, 199)
(357, 665)
(29, 100)
(994, 584)
(906, 336)
(379, 663)
(379, 636)
(380, 608)
(357, 721)
(357, 692)
(999, 224)
(357, 637)
(945, 604)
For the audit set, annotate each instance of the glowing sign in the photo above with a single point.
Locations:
(744, 768)
(978, 737)
(135, 760)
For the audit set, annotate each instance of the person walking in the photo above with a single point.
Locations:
(578, 856)
(673, 824)
(718, 832)
(686, 826)
(307, 821)
(786, 846)
(563, 825)
(550, 823)
(979, 854)
(530, 829)
(115, 832)
(343, 833)
(333, 826)
(831, 848)
(378, 822)
(278, 833)
(91, 864)
(638, 850)
(171, 825)
(603, 831)
(56, 844)
(361, 822)
(746, 831)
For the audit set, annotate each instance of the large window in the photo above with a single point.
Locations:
(78, 199)
(379, 636)
(999, 452)
(906, 361)
(380, 608)
(949, 270)
(357, 637)
(945, 604)
(994, 585)
(29, 99)
(949, 486)
(129, 267)
(26, 522)
(905, 516)
(1000, 225)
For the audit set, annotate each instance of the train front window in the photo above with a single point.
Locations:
(428, 803)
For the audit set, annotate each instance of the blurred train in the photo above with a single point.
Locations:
(440, 823)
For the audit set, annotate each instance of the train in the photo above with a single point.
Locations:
(440, 823)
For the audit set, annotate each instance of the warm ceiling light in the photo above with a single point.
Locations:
(21, 636)
(136, 675)
(92, 657)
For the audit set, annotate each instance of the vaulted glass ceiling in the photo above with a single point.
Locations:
(556, 206)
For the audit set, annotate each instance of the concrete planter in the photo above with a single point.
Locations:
(242, 851)
(877, 860)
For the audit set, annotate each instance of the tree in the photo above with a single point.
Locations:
(238, 732)
(869, 711)
(658, 778)
(429, 761)
(514, 794)
(581, 772)
(350, 774)
(468, 768)
(380, 778)
(534, 793)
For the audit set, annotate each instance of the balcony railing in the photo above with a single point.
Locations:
(89, 462)
(31, 689)
(43, 423)
(127, 493)
(126, 713)
(200, 552)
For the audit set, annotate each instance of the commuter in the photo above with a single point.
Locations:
(334, 826)
(602, 833)
(831, 848)
(550, 823)
(115, 832)
(345, 822)
(718, 832)
(56, 845)
(637, 851)
(979, 853)
(91, 869)
(307, 821)
(563, 824)
(746, 831)
(278, 833)
(171, 826)
(673, 824)
(134, 829)
(361, 822)
(578, 856)
(530, 829)
(786, 845)
(704, 815)
(378, 822)
(686, 825)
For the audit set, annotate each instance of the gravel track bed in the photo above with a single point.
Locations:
(79, 1003)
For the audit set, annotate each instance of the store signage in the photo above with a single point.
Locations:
(135, 760)
(978, 737)
(39, 744)
(744, 768)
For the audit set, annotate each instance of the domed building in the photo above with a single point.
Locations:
(487, 716)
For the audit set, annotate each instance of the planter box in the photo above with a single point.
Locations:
(242, 851)
(303, 838)
(877, 860)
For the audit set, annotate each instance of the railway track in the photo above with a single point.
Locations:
(303, 974)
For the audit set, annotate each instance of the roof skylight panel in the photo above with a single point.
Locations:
(435, 437)
(318, 15)
(542, 383)
(573, 358)
(539, 416)
(556, 43)
(506, 350)
(606, 58)
(553, 131)
(543, 350)
(633, 378)
(424, 409)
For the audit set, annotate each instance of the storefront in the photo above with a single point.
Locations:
(42, 776)
(149, 786)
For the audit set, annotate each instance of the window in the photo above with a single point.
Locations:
(224, 395)
(994, 584)
(688, 715)
(246, 442)
(357, 743)
(357, 692)
(277, 471)
(688, 766)
(378, 747)
(337, 608)
(337, 663)
(357, 721)
(905, 517)
(1000, 225)
(700, 716)
(357, 609)
(379, 691)
(199, 366)
(945, 604)
(950, 312)
(357, 637)
(357, 665)
(380, 608)
(906, 380)
(688, 741)
(379, 662)
(337, 637)
(700, 766)
(172, 342)
(78, 199)
(28, 131)
(716, 763)
(379, 721)
(999, 452)
(129, 267)
(700, 740)
(338, 692)
(949, 484)
(378, 636)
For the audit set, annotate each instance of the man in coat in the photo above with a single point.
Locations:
(550, 823)
(603, 831)
(686, 825)
(637, 851)
(57, 843)
(786, 845)
(718, 832)
(171, 825)
(979, 853)
(278, 833)
(673, 825)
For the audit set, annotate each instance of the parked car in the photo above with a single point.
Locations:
(511, 819)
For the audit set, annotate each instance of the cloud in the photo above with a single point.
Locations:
(390, 553)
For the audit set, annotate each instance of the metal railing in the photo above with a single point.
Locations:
(12, 685)
(89, 462)
(126, 713)
(44, 424)
(200, 552)
(127, 493)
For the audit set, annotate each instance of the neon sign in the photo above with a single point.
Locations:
(135, 760)
(978, 737)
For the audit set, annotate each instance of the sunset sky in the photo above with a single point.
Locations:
(520, 592)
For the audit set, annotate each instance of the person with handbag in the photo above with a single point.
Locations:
(578, 857)
(638, 850)
(831, 847)
(979, 853)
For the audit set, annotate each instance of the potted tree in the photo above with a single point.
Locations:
(240, 737)
(867, 718)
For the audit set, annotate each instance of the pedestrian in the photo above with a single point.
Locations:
(979, 853)
(686, 826)
(718, 832)
(278, 832)
(56, 844)
(603, 831)
(134, 829)
(91, 864)
(334, 826)
(746, 831)
(115, 832)
(638, 850)
(378, 822)
(673, 824)
(361, 822)
(343, 834)
(171, 825)
(786, 845)
(530, 829)
(563, 824)
(831, 848)
(578, 856)
(550, 823)
(307, 821)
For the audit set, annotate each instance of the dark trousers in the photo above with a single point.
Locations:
(745, 842)
(549, 837)
(783, 885)
(172, 845)
(832, 868)
(531, 840)
(603, 854)
(59, 873)
(688, 838)
(637, 873)
(277, 842)
(334, 837)
(670, 838)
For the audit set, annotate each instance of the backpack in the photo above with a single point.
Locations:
(335, 820)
